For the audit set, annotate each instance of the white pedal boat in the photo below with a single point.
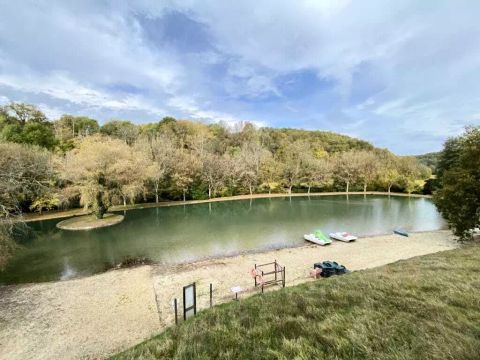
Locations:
(312, 238)
(343, 236)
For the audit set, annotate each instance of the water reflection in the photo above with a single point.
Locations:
(188, 233)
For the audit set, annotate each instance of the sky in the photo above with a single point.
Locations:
(404, 75)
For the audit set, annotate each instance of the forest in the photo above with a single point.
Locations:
(73, 161)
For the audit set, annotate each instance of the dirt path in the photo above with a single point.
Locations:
(100, 315)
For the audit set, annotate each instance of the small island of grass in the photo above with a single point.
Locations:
(89, 222)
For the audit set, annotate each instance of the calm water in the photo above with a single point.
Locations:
(187, 233)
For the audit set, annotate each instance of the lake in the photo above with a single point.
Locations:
(187, 233)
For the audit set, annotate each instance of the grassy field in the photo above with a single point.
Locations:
(424, 308)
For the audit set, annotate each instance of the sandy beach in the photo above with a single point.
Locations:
(100, 315)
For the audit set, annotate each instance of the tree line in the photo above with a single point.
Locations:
(76, 162)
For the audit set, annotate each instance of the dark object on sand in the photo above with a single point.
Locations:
(400, 231)
(330, 268)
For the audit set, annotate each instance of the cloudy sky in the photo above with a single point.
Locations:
(401, 74)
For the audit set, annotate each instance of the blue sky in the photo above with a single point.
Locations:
(401, 74)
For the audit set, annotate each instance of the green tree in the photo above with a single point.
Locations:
(389, 172)
(458, 198)
(70, 126)
(24, 123)
(121, 129)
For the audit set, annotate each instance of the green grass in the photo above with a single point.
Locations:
(422, 308)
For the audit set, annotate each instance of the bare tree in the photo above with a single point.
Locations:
(160, 151)
(248, 162)
(25, 175)
(214, 170)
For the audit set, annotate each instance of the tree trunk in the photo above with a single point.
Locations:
(365, 187)
(99, 208)
(269, 190)
(209, 192)
(290, 189)
(309, 189)
(156, 193)
(250, 188)
(348, 185)
(389, 188)
(184, 194)
(124, 201)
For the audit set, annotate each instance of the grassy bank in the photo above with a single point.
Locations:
(423, 308)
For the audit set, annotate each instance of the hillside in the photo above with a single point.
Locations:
(415, 309)
(430, 160)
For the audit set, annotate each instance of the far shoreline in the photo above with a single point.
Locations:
(60, 214)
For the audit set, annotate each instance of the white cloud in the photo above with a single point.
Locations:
(406, 68)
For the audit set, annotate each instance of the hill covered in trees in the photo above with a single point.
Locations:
(74, 161)
(430, 159)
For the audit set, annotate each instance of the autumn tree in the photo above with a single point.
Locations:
(368, 167)
(25, 175)
(249, 159)
(389, 172)
(160, 152)
(270, 173)
(295, 157)
(185, 169)
(318, 172)
(213, 172)
(346, 168)
(100, 168)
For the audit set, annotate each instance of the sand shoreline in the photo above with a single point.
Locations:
(97, 316)
(60, 214)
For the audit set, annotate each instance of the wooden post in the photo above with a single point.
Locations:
(284, 276)
(262, 281)
(275, 264)
(176, 310)
(211, 295)
(255, 277)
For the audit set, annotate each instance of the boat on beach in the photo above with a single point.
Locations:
(343, 236)
(318, 238)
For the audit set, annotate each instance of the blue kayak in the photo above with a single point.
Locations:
(402, 232)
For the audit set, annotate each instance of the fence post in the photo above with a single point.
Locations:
(176, 310)
(211, 301)
(262, 281)
(276, 269)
